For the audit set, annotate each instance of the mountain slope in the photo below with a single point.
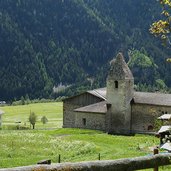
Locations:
(45, 43)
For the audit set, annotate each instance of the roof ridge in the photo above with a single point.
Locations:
(99, 94)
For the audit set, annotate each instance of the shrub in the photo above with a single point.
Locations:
(44, 120)
(33, 119)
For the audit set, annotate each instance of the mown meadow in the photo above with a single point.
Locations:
(27, 147)
(17, 116)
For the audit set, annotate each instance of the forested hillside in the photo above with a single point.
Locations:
(44, 43)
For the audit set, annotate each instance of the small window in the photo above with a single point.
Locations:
(150, 128)
(84, 121)
(116, 84)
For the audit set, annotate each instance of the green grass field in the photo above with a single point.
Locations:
(15, 114)
(27, 147)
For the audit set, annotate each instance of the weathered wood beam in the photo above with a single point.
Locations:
(128, 164)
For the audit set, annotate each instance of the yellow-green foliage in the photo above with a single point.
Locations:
(138, 59)
(162, 27)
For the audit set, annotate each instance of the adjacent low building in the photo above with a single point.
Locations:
(117, 108)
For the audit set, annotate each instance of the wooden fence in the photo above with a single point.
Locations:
(128, 164)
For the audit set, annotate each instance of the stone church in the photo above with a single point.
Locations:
(118, 108)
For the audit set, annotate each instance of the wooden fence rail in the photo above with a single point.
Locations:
(128, 164)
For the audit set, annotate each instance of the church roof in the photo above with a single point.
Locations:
(160, 99)
(152, 98)
(94, 108)
(101, 92)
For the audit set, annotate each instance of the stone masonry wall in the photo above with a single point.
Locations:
(119, 117)
(144, 116)
(69, 118)
(69, 115)
(90, 121)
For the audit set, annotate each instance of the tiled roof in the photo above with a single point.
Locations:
(101, 92)
(152, 98)
(140, 97)
(94, 108)
(160, 99)
(166, 146)
(165, 128)
(165, 117)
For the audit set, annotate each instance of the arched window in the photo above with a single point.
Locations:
(150, 128)
(116, 84)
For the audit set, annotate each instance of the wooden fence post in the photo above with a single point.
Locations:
(59, 158)
(156, 151)
(99, 156)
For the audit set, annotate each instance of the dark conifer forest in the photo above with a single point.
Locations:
(47, 43)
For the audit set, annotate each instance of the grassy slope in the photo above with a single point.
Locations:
(25, 147)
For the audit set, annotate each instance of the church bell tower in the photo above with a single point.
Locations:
(120, 83)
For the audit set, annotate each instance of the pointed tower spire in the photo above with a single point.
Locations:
(119, 68)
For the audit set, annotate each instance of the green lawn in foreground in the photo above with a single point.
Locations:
(53, 111)
(27, 147)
